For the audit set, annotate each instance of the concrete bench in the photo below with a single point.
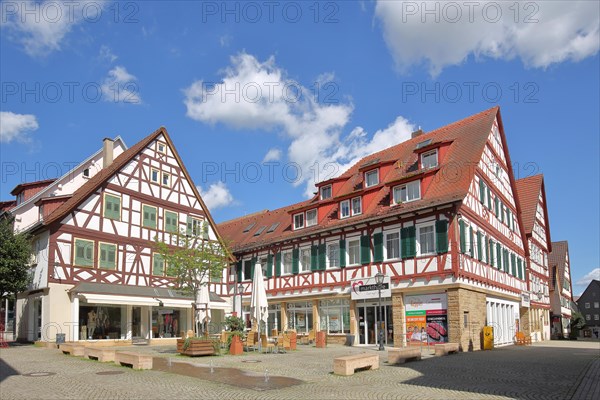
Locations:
(401, 355)
(347, 364)
(100, 354)
(445, 348)
(72, 349)
(136, 360)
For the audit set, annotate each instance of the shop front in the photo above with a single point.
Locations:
(373, 311)
(503, 315)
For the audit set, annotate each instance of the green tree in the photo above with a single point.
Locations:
(15, 250)
(193, 261)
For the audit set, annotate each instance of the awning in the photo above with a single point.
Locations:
(104, 293)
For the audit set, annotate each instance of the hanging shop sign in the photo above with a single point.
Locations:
(367, 288)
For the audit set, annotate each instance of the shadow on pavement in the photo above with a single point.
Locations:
(6, 370)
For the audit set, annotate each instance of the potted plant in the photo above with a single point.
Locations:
(235, 326)
(197, 346)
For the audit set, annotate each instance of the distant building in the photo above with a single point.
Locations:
(589, 307)
(561, 289)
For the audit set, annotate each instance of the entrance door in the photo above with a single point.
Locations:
(37, 319)
(136, 322)
(368, 326)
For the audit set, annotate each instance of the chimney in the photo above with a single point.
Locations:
(107, 152)
(416, 133)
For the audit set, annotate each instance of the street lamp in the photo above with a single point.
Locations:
(241, 292)
(379, 280)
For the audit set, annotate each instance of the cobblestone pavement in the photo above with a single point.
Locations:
(551, 370)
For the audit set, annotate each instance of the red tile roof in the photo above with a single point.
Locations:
(21, 186)
(7, 205)
(467, 139)
(528, 191)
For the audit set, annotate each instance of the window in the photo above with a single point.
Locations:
(353, 252)
(596, 317)
(426, 240)
(166, 179)
(112, 206)
(247, 228)
(326, 192)
(86, 173)
(372, 178)
(149, 214)
(429, 159)
(423, 144)
(345, 209)
(356, 206)
(273, 227)
(596, 304)
(311, 217)
(409, 192)
(260, 230)
(158, 265)
(335, 315)
(587, 305)
(466, 319)
(299, 221)
(305, 260)
(287, 262)
(84, 253)
(193, 226)
(333, 255)
(154, 174)
(587, 317)
(392, 245)
(161, 147)
(171, 222)
(107, 256)
(248, 270)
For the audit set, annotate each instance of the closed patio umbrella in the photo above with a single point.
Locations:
(259, 307)
(203, 306)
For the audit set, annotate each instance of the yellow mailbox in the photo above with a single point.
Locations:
(488, 337)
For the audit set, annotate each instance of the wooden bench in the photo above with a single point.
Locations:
(401, 355)
(136, 360)
(443, 349)
(100, 354)
(347, 364)
(72, 349)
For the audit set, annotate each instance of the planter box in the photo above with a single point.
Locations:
(196, 348)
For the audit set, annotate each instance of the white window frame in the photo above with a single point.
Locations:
(427, 154)
(152, 171)
(348, 261)
(162, 179)
(596, 304)
(336, 261)
(304, 267)
(307, 221)
(385, 245)
(371, 172)
(406, 187)
(296, 226)
(158, 150)
(341, 208)
(587, 305)
(418, 238)
(352, 206)
(330, 187)
(283, 257)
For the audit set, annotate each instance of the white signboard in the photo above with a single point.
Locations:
(525, 300)
(366, 288)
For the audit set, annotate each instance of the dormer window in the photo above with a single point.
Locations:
(356, 206)
(311, 218)
(299, 221)
(345, 209)
(326, 192)
(372, 178)
(429, 159)
(86, 173)
(409, 192)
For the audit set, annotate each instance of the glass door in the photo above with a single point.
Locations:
(370, 322)
(136, 322)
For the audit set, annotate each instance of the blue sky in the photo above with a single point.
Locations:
(262, 98)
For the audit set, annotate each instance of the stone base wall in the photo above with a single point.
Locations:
(398, 316)
(466, 318)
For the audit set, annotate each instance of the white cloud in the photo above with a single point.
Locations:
(217, 196)
(267, 100)
(41, 27)
(587, 278)
(107, 54)
(539, 33)
(272, 155)
(225, 40)
(16, 126)
(121, 87)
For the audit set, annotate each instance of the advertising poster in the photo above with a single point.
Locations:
(426, 318)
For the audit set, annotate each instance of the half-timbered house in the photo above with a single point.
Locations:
(561, 289)
(535, 314)
(95, 271)
(436, 214)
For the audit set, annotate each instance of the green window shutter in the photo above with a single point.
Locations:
(499, 256)
(409, 240)
(342, 253)
(269, 269)
(112, 207)
(471, 242)
(365, 249)
(463, 236)
(314, 258)
(149, 217)
(295, 261)
(481, 190)
(189, 227)
(505, 259)
(158, 265)
(489, 198)
(278, 264)
(322, 256)
(108, 256)
(497, 206)
(378, 247)
(84, 253)
(491, 259)
(479, 246)
(513, 264)
(170, 222)
(508, 218)
(205, 230)
(238, 270)
(487, 250)
(502, 212)
(441, 231)
(519, 266)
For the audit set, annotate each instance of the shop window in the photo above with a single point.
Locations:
(166, 323)
(101, 322)
(300, 317)
(335, 316)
